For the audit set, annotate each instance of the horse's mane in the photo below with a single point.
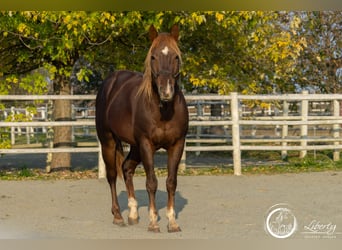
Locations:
(146, 85)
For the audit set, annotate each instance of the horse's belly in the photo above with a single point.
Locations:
(122, 128)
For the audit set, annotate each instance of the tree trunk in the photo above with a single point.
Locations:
(62, 134)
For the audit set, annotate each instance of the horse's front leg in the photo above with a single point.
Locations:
(174, 156)
(146, 152)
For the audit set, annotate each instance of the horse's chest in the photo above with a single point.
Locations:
(164, 135)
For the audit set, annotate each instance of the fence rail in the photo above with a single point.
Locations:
(239, 127)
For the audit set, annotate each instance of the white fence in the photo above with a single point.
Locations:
(240, 127)
(78, 113)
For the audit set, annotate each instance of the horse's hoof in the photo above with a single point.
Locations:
(119, 222)
(154, 229)
(132, 221)
(174, 229)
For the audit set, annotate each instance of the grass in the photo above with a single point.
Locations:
(25, 172)
(40, 174)
(311, 163)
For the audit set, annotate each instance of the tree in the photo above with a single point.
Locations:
(320, 65)
(54, 41)
(248, 52)
(223, 51)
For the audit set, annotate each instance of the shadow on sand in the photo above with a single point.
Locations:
(161, 200)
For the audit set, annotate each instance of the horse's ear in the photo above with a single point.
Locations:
(175, 32)
(152, 33)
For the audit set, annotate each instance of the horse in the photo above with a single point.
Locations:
(147, 111)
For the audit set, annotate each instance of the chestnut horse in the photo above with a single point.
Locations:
(149, 112)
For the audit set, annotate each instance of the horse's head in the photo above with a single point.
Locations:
(165, 62)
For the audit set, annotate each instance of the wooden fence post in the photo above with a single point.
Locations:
(304, 127)
(182, 164)
(336, 130)
(28, 129)
(236, 133)
(285, 130)
(199, 128)
(49, 134)
(12, 128)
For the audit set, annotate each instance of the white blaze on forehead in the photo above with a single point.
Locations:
(165, 51)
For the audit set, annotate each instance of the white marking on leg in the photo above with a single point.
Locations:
(165, 51)
(171, 215)
(133, 208)
(153, 216)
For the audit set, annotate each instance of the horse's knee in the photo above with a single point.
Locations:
(111, 174)
(152, 184)
(171, 184)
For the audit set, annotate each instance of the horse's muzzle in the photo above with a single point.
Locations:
(166, 93)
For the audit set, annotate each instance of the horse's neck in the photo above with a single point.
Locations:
(167, 109)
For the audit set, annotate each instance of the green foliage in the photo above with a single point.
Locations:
(223, 51)
(248, 52)
(25, 172)
(320, 66)
(252, 52)
(5, 140)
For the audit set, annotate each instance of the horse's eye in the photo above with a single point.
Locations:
(152, 58)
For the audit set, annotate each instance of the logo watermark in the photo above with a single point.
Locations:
(320, 230)
(280, 221)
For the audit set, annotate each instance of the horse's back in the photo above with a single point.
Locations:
(117, 80)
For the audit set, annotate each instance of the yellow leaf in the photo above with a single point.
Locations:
(107, 15)
(219, 17)
(21, 27)
(215, 67)
(67, 19)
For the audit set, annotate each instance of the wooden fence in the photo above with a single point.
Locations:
(41, 113)
(239, 120)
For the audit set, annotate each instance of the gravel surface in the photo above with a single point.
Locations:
(211, 207)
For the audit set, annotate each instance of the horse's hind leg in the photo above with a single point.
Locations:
(109, 154)
(129, 166)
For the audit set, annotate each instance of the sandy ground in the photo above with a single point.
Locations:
(208, 207)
